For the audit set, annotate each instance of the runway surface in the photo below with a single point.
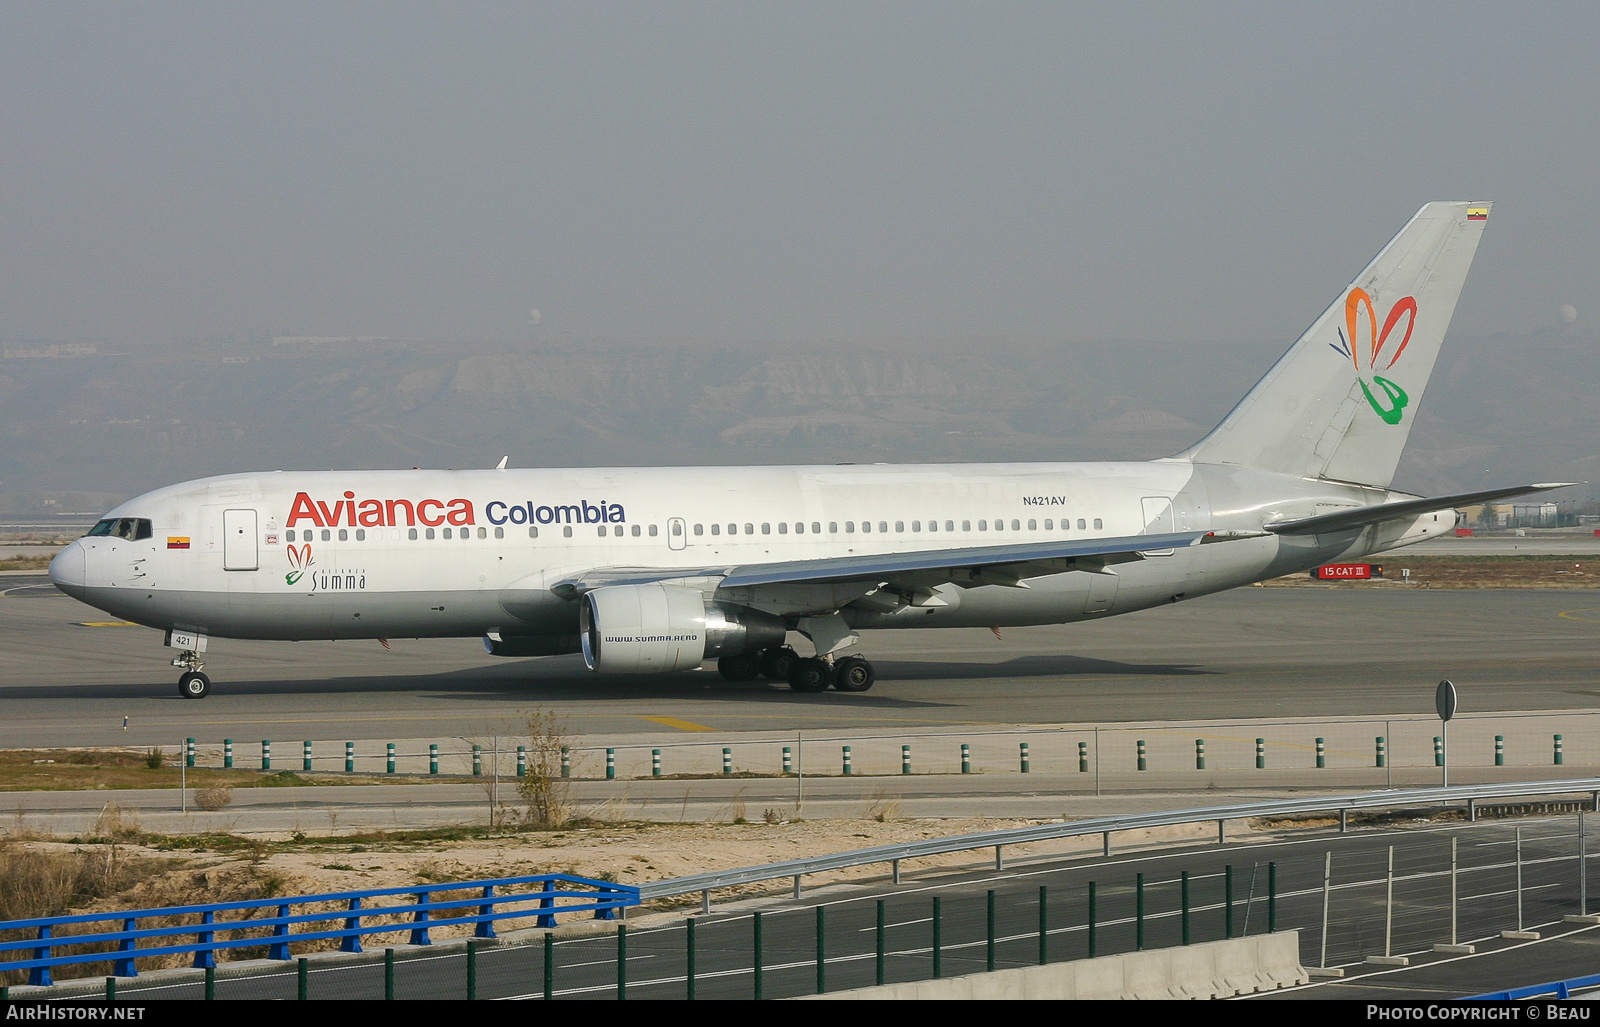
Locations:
(67, 678)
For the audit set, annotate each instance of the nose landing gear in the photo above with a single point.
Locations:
(192, 684)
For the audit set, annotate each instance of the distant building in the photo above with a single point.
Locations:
(52, 351)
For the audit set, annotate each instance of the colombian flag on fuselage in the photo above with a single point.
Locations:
(177, 542)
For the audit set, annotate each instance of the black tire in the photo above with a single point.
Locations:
(778, 662)
(811, 675)
(194, 685)
(740, 667)
(853, 674)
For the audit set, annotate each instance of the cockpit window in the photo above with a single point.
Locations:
(131, 528)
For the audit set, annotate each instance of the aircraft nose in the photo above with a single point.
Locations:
(70, 571)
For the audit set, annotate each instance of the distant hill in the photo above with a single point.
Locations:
(1499, 410)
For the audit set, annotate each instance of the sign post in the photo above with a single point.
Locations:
(1444, 700)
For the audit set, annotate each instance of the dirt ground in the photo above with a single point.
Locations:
(1463, 572)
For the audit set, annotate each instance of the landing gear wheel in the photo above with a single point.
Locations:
(812, 675)
(777, 663)
(740, 667)
(194, 685)
(853, 674)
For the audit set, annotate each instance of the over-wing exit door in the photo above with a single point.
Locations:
(239, 540)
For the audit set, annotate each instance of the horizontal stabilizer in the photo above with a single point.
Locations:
(1361, 516)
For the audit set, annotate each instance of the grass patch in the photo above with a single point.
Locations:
(40, 770)
(24, 563)
(1470, 572)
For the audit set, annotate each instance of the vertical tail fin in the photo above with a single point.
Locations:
(1340, 403)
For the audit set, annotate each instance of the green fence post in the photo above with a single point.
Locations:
(522, 761)
(1272, 898)
(1438, 751)
(1094, 921)
(433, 758)
(905, 759)
(388, 975)
(1083, 757)
(1558, 750)
(611, 764)
(1383, 756)
(305, 754)
(755, 951)
(472, 971)
(1199, 754)
(989, 950)
(788, 761)
(1322, 755)
(188, 752)
(727, 760)
(1261, 754)
(822, 956)
(1184, 890)
(880, 942)
(302, 984)
(266, 754)
(622, 962)
(1142, 764)
(938, 941)
(227, 754)
(688, 956)
(1044, 925)
(655, 762)
(966, 758)
(1138, 912)
(211, 983)
(349, 757)
(549, 966)
(111, 989)
(388, 757)
(1499, 750)
(477, 761)
(847, 761)
(566, 762)
(1227, 900)
(1024, 753)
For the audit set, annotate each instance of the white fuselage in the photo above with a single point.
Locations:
(429, 553)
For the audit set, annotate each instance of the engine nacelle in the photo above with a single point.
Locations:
(653, 629)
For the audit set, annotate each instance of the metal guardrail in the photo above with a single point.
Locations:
(482, 911)
(1560, 989)
(797, 868)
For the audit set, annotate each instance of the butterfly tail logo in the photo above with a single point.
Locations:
(1361, 340)
(299, 562)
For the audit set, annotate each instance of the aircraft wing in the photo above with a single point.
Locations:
(984, 565)
(1361, 516)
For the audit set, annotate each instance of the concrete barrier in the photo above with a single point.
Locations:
(1213, 969)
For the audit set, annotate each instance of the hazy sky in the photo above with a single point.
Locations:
(779, 171)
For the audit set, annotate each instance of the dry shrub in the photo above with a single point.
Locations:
(116, 825)
(213, 799)
(543, 789)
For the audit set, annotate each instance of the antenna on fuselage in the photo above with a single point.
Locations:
(502, 464)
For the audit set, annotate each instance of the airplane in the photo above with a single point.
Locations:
(649, 570)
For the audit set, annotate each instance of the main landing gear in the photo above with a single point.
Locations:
(192, 684)
(812, 674)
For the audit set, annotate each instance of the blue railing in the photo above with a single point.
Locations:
(1560, 989)
(541, 898)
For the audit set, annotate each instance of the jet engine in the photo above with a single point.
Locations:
(655, 628)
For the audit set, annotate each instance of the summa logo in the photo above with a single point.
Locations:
(1363, 338)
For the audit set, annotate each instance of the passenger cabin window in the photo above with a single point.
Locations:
(446, 534)
(766, 529)
(428, 533)
(783, 527)
(1048, 524)
(966, 525)
(866, 525)
(849, 527)
(361, 534)
(652, 531)
(327, 535)
(983, 525)
(716, 529)
(1081, 525)
(1016, 525)
(411, 534)
(499, 533)
(344, 534)
(949, 525)
(288, 535)
(677, 529)
(699, 529)
(533, 532)
(899, 525)
(749, 529)
(916, 525)
(566, 531)
(1097, 524)
(636, 530)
